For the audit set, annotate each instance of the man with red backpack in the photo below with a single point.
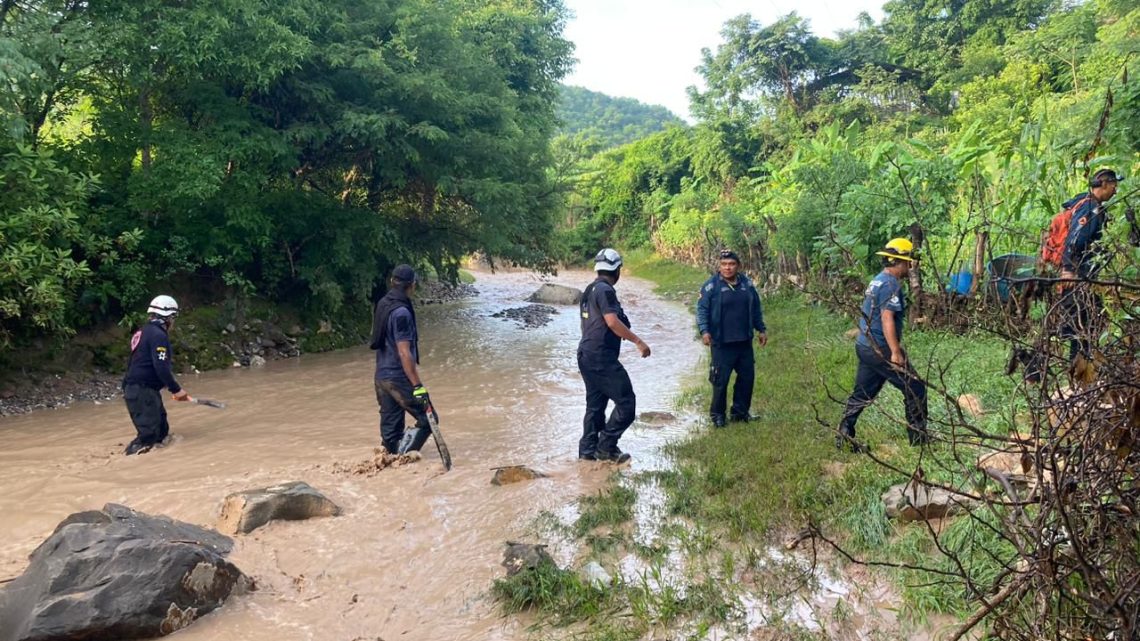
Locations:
(1082, 257)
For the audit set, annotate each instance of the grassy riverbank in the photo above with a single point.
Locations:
(734, 493)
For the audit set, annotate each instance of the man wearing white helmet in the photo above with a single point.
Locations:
(604, 326)
(148, 371)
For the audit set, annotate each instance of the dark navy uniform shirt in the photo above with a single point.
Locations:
(598, 339)
(884, 292)
(401, 327)
(150, 364)
(736, 308)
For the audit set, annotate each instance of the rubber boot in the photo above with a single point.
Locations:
(408, 443)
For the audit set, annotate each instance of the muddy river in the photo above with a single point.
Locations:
(416, 549)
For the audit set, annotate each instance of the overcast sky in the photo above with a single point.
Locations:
(647, 49)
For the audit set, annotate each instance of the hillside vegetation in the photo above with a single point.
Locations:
(607, 120)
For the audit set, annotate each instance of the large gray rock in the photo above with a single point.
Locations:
(916, 502)
(118, 574)
(244, 512)
(552, 294)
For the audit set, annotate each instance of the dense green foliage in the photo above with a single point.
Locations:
(293, 150)
(610, 121)
(810, 152)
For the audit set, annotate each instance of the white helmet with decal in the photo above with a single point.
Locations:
(607, 260)
(163, 305)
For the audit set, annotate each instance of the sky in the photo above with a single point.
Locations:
(647, 49)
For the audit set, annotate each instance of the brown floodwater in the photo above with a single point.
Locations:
(416, 549)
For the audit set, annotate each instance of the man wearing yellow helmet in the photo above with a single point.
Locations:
(879, 348)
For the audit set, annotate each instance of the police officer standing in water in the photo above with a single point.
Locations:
(148, 371)
(604, 326)
(399, 388)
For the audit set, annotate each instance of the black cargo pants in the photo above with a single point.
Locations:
(606, 380)
(147, 413)
(395, 398)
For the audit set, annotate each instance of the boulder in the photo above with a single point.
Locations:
(244, 512)
(118, 574)
(657, 418)
(274, 334)
(525, 556)
(257, 361)
(971, 405)
(916, 502)
(596, 575)
(552, 294)
(515, 474)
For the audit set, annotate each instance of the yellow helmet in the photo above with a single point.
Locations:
(899, 249)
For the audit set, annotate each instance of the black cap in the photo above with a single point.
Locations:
(728, 254)
(404, 273)
(1105, 176)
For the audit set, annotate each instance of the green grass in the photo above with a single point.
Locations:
(754, 482)
(672, 280)
(611, 506)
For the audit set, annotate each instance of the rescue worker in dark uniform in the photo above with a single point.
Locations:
(728, 311)
(604, 326)
(399, 388)
(1082, 258)
(148, 371)
(880, 351)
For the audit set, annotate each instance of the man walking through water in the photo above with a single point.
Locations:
(728, 310)
(399, 388)
(148, 371)
(604, 326)
(880, 351)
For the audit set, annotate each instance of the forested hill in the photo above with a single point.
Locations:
(613, 121)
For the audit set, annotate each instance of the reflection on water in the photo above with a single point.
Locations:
(415, 550)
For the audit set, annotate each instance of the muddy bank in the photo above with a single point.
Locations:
(90, 367)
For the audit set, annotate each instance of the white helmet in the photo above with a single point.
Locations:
(607, 260)
(163, 306)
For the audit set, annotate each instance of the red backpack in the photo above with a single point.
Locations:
(1053, 247)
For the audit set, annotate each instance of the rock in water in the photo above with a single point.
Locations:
(118, 574)
(525, 556)
(515, 474)
(552, 294)
(244, 512)
(657, 417)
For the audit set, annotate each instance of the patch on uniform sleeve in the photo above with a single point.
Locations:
(708, 287)
(161, 352)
